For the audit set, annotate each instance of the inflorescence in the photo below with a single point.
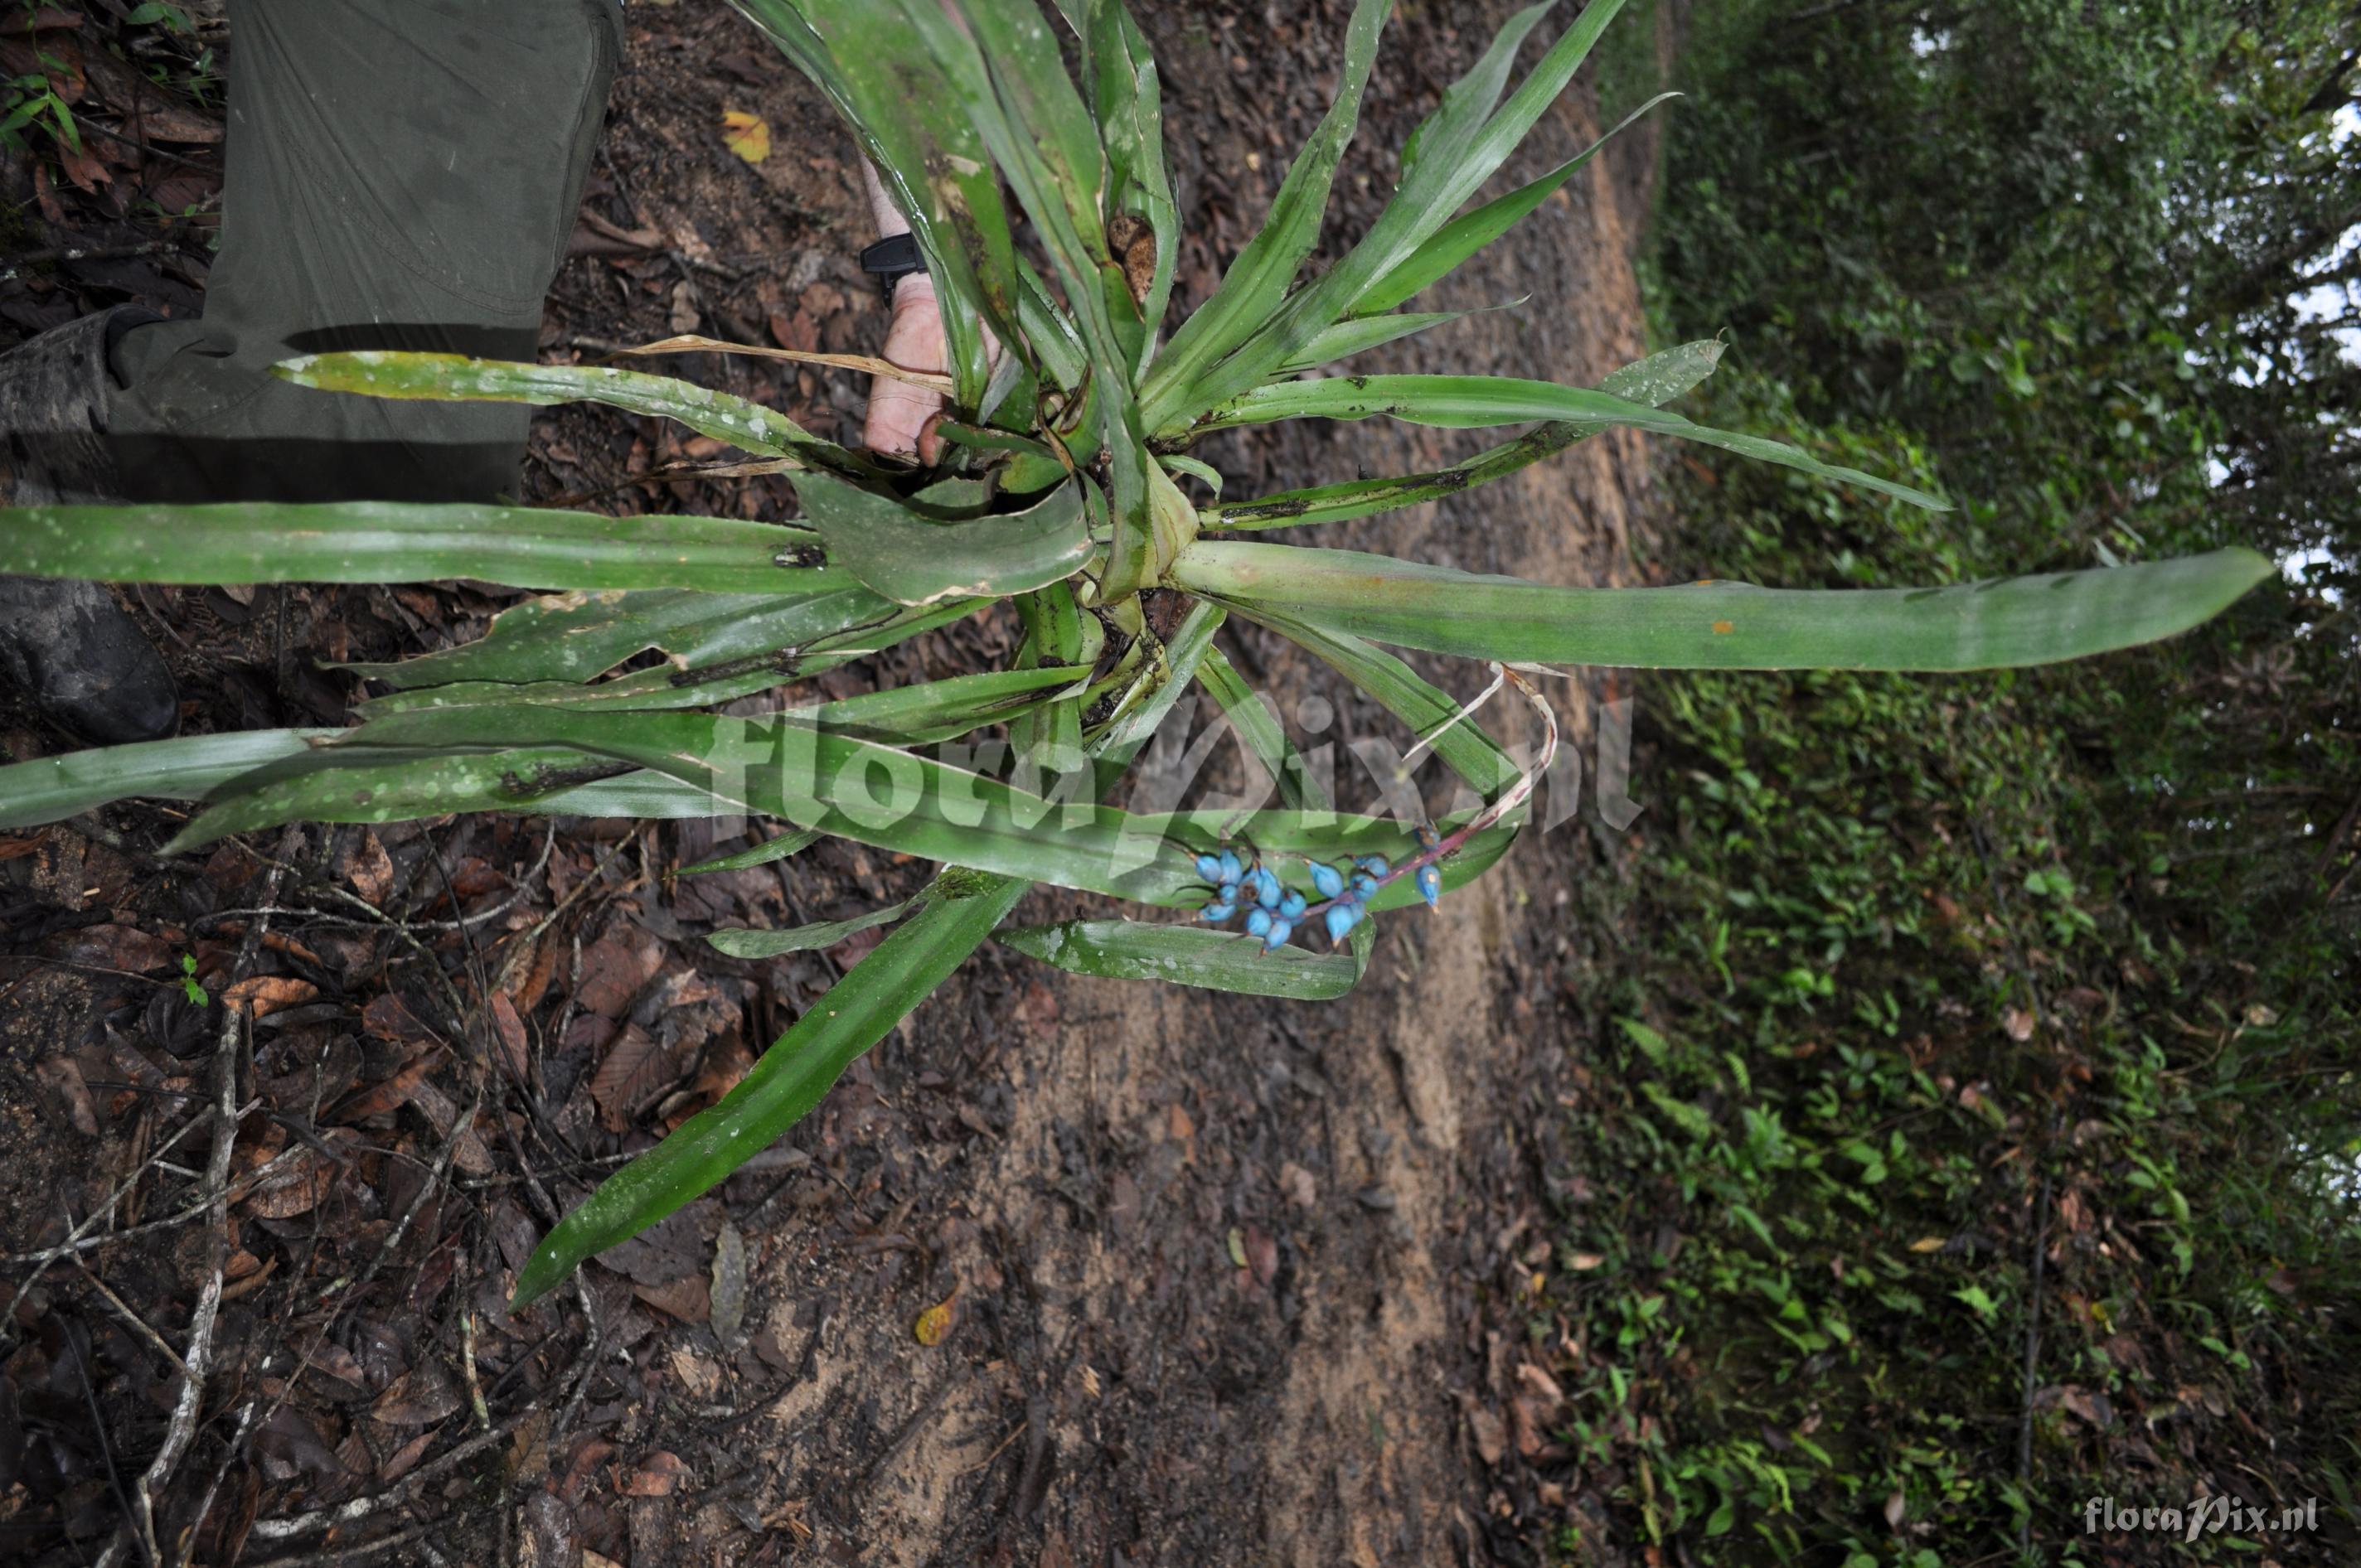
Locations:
(1274, 911)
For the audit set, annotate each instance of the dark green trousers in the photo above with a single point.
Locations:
(402, 174)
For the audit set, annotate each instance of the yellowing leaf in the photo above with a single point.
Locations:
(934, 1324)
(747, 136)
(1928, 1243)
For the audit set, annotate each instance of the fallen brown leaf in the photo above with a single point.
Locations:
(389, 1018)
(685, 1299)
(294, 1186)
(367, 867)
(124, 948)
(419, 1396)
(510, 1029)
(63, 1078)
(747, 135)
(615, 966)
(264, 995)
(636, 1070)
(470, 1154)
(934, 1324)
(405, 1458)
(699, 1376)
(384, 1098)
(659, 1476)
(1491, 1437)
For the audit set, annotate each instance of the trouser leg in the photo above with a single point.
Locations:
(402, 174)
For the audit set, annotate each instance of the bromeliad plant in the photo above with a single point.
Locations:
(1060, 491)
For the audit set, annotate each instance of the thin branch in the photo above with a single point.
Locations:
(199, 1357)
(866, 364)
(122, 1310)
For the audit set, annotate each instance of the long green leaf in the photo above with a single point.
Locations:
(787, 1083)
(933, 711)
(1662, 377)
(1468, 402)
(1264, 271)
(1127, 98)
(1063, 166)
(745, 943)
(1729, 626)
(578, 636)
(394, 541)
(1461, 237)
(704, 685)
(1453, 154)
(1049, 332)
(455, 377)
(1185, 954)
(1022, 103)
(1264, 737)
(1655, 380)
(926, 153)
(784, 766)
(50, 789)
(915, 559)
(361, 784)
(1156, 691)
(1443, 137)
(356, 784)
(769, 851)
(1460, 744)
(1362, 333)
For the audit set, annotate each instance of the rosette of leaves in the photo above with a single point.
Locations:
(1061, 491)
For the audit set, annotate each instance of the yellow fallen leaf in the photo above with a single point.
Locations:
(747, 136)
(934, 1324)
(1928, 1243)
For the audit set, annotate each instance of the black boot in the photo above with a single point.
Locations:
(68, 643)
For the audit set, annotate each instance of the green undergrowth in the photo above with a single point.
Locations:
(1927, 980)
(1926, 974)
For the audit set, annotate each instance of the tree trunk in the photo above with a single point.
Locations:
(1119, 1387)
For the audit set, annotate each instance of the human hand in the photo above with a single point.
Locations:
(902, 414)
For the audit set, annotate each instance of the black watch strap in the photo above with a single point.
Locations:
(892, 258)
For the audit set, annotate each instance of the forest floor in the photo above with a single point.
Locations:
(1225, 1280)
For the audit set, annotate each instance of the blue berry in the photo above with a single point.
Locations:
(1291, 908)
(1327, 879)
(1267, 889)
(1258, 922)
(1209, 867)
(1276, 937)
(1376, 865)
(1230, 867)
(1215, 913)
(1341, 918)
(1430, 885)
(1365, 886)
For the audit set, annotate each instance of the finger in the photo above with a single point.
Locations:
(898, 415)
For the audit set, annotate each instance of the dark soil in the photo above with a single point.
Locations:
(1223, 1280)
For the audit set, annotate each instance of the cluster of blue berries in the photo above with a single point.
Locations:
(1273, 911)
